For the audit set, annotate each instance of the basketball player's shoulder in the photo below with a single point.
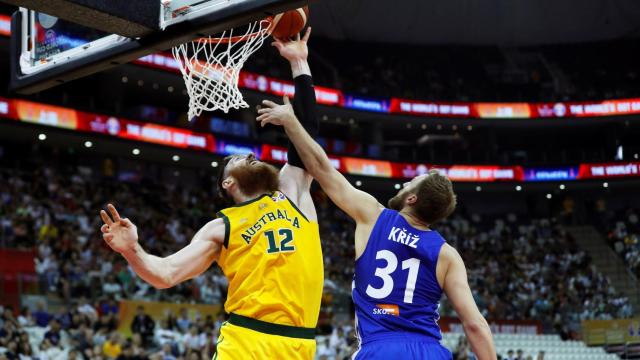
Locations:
(448, 254)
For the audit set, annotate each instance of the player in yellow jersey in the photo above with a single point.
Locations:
(267, 244)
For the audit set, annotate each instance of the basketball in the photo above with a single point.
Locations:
(290, 23)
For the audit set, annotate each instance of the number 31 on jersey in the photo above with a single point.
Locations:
(413, 265)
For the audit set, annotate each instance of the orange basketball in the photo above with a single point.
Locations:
(289, 24)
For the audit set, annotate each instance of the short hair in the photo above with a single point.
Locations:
(436, 198)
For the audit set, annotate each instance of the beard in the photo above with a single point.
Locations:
(397, 202)
(255, 179)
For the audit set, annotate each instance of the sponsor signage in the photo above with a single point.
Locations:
(237, 148)
(551, 174)
(335, 97)
(365, 104)
(611, 170)
(603, 332)
(71, 119)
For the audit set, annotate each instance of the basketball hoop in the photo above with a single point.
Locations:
(211, 66)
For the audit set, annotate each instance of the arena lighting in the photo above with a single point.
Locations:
(214, 164)
(605, 185)
(562, 187)
(140, 82)
(358, 183)
(635, 156)
(176, 158)
(424, 126)
(136, 151)
(176, 173)
(518, 188)
(478, 188)
(398, 186)
(88, 144)
(170, 89)
(125, 79)
(549, 196)
(470, 127)
(42, 137)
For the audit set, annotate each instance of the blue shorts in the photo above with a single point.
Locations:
(406, 349)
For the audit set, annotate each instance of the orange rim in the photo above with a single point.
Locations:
(239, 38)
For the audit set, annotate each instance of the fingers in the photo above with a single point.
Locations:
(297, 37)
(307, 34)
(126, 222)
(264, 110)
(278, 44)
(107, 237)
(286, 100)
(114, 212)
(104, 228)
(265, 119)
(269, 104)
(105, 217)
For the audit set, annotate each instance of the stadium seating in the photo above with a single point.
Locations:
(553, 347)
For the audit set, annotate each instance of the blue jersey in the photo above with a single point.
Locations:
(395, 290)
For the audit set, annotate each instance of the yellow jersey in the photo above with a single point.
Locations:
(273, 260)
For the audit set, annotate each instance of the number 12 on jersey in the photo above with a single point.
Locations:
(385, 274)
(286, 237)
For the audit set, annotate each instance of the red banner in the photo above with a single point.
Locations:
(71, 119)
(324, 96)
(528, 327)
(420, 108)
(5, 25)
(610, 170)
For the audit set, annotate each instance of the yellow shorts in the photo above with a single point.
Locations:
(243, 339)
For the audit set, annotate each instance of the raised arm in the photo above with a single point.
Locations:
(162, 273)
(295, 182)
(456, 286)
(359, 205)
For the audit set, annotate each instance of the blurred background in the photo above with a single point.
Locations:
(532, 108)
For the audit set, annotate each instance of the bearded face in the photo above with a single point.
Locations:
(397, 202)
(252, 176)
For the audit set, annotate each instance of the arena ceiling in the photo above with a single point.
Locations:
(476, 22)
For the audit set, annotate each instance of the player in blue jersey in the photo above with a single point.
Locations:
(402, 266)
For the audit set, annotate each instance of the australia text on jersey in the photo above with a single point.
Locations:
(403, 237)
(248, 234)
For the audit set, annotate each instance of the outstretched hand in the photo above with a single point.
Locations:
(294, 50)
(120, 234)
(272, 113)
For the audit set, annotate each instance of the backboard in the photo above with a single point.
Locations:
(47, 50)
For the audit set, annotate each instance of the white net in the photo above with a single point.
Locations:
(211, 67)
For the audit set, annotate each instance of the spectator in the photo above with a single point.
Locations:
(143, 325)
(183, 322)
(111, 287)
(41, 316)
(194, 341)
(54, 334)
(540, 355)
(26, 319)
(86, 309)
(166, 353)
(112, 348)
